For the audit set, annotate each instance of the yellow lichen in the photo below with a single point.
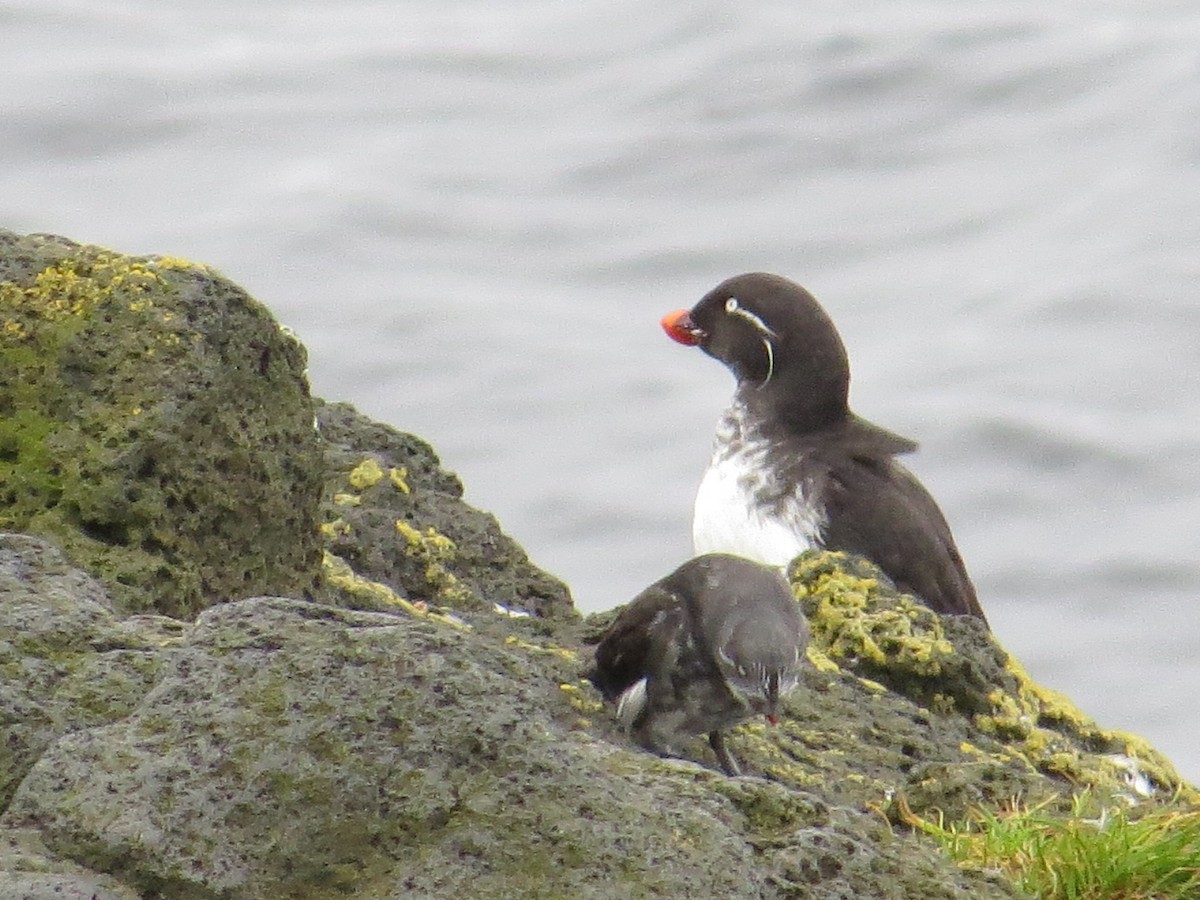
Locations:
(1049, 733)
(873, 686)
(754, 726)
(583, 697)
(943, 704)
(905, 636)
(820, 661)
(430, 543)
(73, 286)
(366, 474)
(560, 652)
(399, 477)
(794, 775)
(335, 529)
(755, 738)
(178, 263)
(434, 549)
(339, 574)
(1040, 728)
(822, 572)
(63, 295)
(347, 500)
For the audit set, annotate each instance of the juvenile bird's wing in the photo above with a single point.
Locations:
(637, 641)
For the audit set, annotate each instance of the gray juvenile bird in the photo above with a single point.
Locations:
(793, 468)
(717, 641)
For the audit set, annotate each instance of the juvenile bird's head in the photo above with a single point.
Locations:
(760, 658)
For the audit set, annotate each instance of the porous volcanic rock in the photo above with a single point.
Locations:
(396, 518)
(155, 421)
(289, 748)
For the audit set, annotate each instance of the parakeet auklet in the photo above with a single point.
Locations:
(793, 468)
(716, 642)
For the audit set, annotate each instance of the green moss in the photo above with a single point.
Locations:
(155, 423)
(954, 668)
(270, 699)
(40, 319)
(100, 689)
(771, 810)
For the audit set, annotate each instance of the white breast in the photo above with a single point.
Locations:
(730, 517)
(631, 703)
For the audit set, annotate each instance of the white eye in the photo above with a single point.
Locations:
(733, 308)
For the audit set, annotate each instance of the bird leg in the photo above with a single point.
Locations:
(717, 741)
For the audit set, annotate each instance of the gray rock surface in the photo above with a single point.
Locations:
(28, 871)
(66, 661)
(398, 518)
(293, 748)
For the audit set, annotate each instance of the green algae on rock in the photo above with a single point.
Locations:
(155, 421)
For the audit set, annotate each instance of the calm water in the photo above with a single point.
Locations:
(474, 216)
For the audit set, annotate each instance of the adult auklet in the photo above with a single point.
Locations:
(717, 641)
(793, 468)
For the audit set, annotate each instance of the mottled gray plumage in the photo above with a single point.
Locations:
(717, 641)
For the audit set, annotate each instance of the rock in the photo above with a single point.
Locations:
(30, 872)
(68, 663)
(935, 710)
(155, 421)
(291, 747)
(396, 518)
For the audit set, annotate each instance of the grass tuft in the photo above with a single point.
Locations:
(1110, 853)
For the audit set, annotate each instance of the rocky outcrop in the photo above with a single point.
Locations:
(278, 747)
(395, 517)
(400, 712)
(155, 420)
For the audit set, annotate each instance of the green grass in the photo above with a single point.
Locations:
(1115, 855)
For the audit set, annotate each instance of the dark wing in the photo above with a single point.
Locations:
(637, 640)
(878, 509)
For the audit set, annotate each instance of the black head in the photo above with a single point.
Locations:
(774, 337)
